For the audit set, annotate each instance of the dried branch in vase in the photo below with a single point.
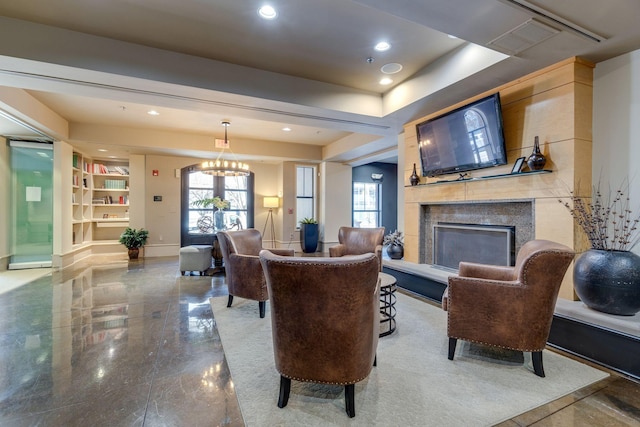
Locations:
(608, 221)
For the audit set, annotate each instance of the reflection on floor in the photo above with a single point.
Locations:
(135, 344)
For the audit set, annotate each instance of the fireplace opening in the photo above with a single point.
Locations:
(480, 243)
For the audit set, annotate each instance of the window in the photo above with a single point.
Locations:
(366, 205)
(199, 221)
(478, 136)
(305, 193)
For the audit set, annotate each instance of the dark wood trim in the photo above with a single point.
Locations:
(612, 349)
(422, 286)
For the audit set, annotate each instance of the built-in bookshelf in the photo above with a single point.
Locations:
(109, 199)
(99, 199)
(80, 201)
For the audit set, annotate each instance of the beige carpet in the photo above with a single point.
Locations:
(414, 383)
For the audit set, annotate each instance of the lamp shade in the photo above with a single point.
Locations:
(271, 202)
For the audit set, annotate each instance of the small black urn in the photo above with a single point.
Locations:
(414, 179)
(536, 160)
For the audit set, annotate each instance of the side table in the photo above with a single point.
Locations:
(387, 304)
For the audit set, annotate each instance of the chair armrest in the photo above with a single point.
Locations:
(485, 271)
(281, 252)
(338, 250)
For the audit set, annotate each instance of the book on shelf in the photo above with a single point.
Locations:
(119, 170)
(115, 184)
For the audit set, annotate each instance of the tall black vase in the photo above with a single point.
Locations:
(309, 237)
(414, 179)
(536, 160)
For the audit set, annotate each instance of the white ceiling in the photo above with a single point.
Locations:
(197, 62)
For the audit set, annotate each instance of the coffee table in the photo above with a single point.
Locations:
(387, 304)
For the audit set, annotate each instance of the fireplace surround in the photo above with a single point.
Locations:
(516, 214)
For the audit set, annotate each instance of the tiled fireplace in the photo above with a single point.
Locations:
(476, 225)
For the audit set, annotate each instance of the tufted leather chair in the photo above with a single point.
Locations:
(509, 307)
(325, 318)
(356, 241)
(245, 279)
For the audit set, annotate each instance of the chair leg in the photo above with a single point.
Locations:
(536, 357)
(230, 301)
(262, 306)
(285, 387)
(452, 347)
(349, 399)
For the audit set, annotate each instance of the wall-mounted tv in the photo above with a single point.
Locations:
(467, 138)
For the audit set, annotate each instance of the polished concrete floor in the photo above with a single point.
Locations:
(134, 343)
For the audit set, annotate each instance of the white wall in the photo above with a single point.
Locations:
(334, 201)
(616, 125)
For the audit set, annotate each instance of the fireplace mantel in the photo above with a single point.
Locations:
(553, 104)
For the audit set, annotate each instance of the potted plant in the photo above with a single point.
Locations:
(133, 240)
(607, 276)
(395, 244)
(309, 234)
(218, 215)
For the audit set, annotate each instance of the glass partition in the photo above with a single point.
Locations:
(31, 207)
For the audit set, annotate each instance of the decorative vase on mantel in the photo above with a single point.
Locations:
(536, 160)
(414, 179)
(608, 281)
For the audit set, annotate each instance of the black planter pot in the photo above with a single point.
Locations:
(309, 237)
(395, 251)
(608, 281)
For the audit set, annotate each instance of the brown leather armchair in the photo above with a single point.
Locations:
(325, 318)
(245, 279)
(356, 241)
(509, 307)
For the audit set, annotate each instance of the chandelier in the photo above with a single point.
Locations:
(221, 167)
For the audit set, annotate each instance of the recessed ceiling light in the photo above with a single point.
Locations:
(102, 149)
(391, 68)
(286, 129)
(385, 81)
(267, 12)
(153, 113)
(382, 46)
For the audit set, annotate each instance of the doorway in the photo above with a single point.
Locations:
(31, 205)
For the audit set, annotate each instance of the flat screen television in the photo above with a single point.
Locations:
(467, 138)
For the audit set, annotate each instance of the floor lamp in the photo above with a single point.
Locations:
(271, 203)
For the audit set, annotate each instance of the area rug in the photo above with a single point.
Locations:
(414, 383)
